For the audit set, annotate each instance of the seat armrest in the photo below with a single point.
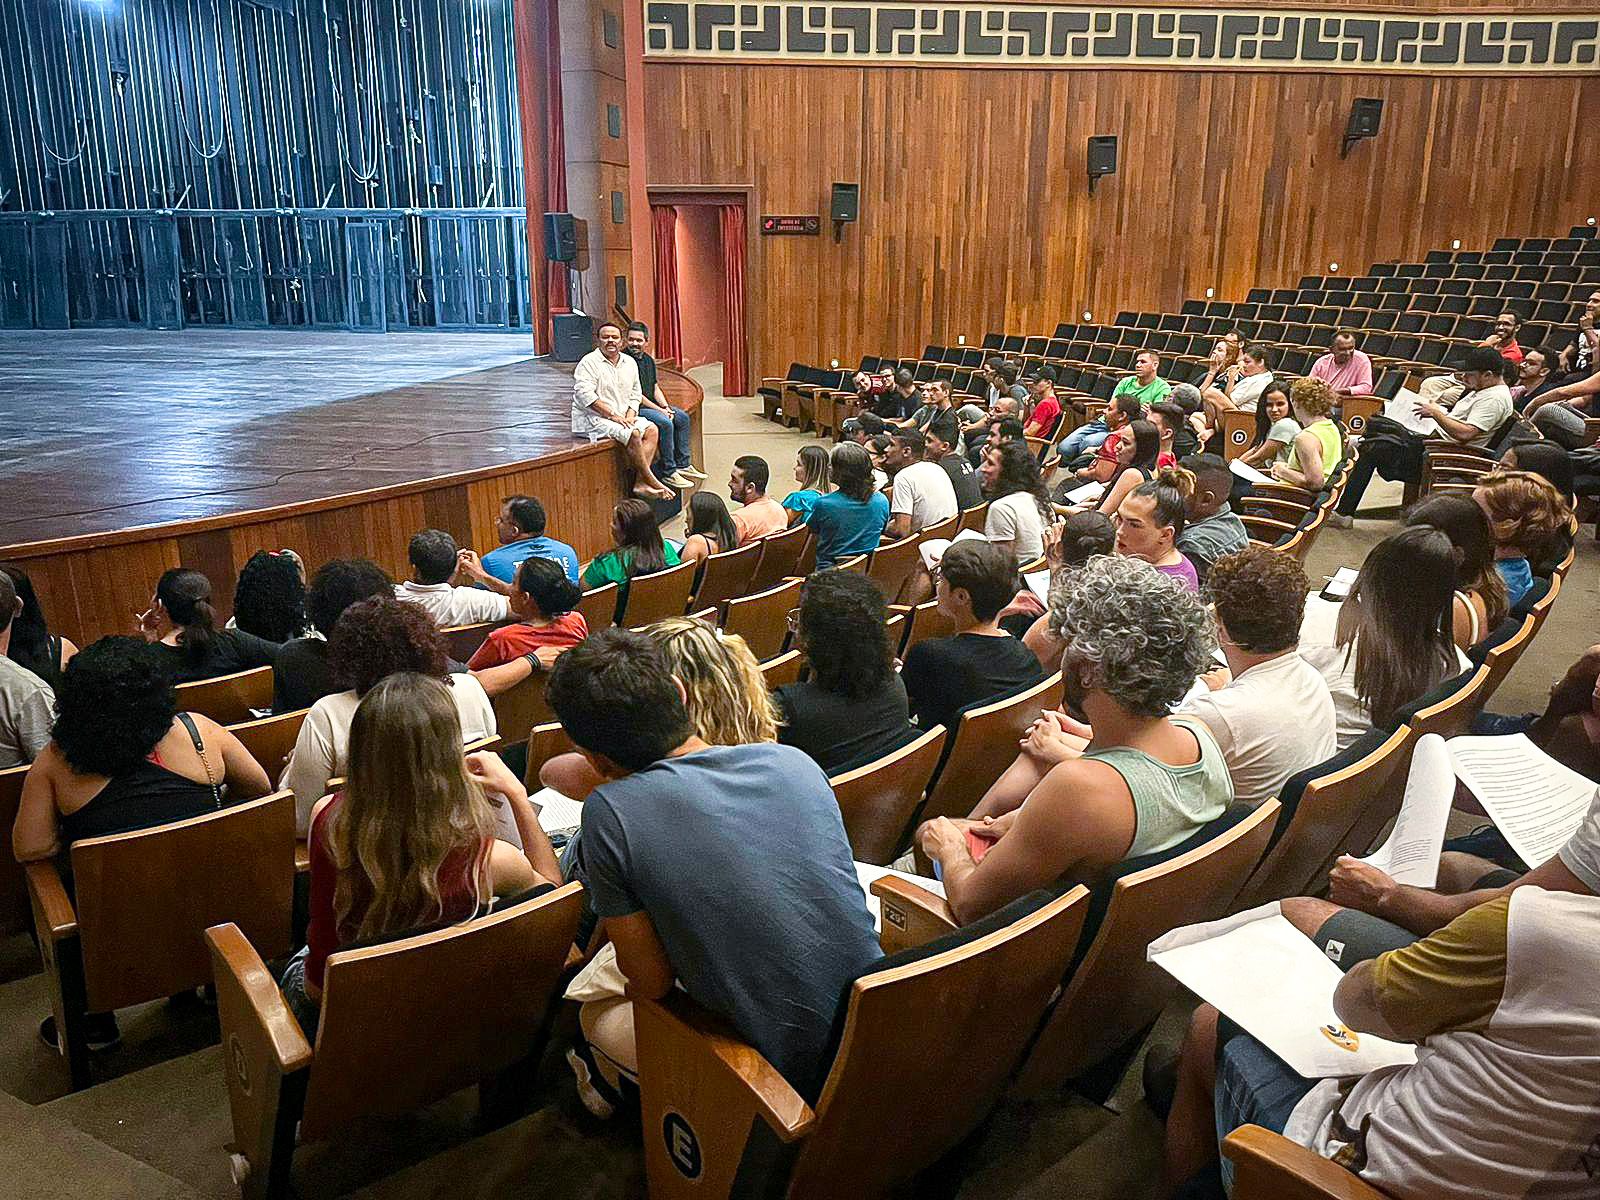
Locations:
(1267, 1164)
(240, 972)
(912, 915)
(53, 912)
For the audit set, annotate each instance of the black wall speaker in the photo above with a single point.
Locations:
(1102, 156)
(560, 237)
(846, 203)
(1365, 115)
(573, 336)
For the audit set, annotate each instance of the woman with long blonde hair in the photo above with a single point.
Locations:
(409, 843)
(727, 698)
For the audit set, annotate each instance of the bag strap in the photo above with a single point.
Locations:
(200, 749)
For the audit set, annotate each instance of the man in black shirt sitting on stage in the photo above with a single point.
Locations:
(674, 455)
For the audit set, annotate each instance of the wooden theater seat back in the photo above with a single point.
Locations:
(879, 799)
(659, 595)
(982, 746)
(228, 699)
(911, 1023)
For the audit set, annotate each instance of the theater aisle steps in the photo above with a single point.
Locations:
(42, 1155)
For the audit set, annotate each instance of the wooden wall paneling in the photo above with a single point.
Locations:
(975, 208)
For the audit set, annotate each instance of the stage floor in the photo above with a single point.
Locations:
(110, 429)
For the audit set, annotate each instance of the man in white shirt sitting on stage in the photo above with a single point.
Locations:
(605, 404)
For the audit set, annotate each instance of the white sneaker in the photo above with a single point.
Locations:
(678, 480)
(597, 1104)
(693, 472)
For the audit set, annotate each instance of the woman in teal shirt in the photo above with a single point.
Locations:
(640, 550)
(851, 520)
(811, 473)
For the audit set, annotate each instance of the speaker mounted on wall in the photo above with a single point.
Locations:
(1102, 158)
(560, 237)
(844, 206)
(1365, 115)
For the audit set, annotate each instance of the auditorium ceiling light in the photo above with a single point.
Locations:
(1591, 221)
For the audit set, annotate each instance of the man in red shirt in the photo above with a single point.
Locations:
(1046, 408)
(1504, 337)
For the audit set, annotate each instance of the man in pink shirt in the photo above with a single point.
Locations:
(1344, 368)
(761, 514)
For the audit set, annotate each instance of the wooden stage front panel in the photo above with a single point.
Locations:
(94, 584)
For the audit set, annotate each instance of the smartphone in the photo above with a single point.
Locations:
(1339, 584)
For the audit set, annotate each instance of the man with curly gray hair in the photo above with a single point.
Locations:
(1145, 781)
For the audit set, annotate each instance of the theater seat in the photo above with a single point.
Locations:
(1268, 1166)
(404, 1022)
(878, 800)
(926, 1041)
(228, 699)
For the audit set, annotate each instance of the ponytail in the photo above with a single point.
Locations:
(186, 595)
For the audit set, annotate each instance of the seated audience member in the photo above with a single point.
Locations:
(980, 662)
(1244, 390)
(1177, 439)
(1119, 414)
(1221, 368)
(605, 406)
(1499, 1103)
(1343, 368)
(1581, 354)
(1150, 520)
(939, 413)
(1138, 452)
(1504, 336)
(542, 600)
(765, 933)
(978, 434)
(640, 549)
(870, 386)
(923, 494)
(1396, 453)
(27, 703)
(181, 624)
(1391, 640)
(853, 708)
(1553, 464)
(811, 472)
(301, 672)
(520, 527)
(409, 842)
(372, 641)
(851, 519)
(1211, 529)
(435, 558)
(32, 645)
(673, 450)
(269, 599)
(1537, 373)
(1144, 385)
(1318, 448)
(122, 758)
(1273, 717)
(723, 691)
(901, 401)
(1276, 429)
(1561, 413)
(877, 451)
(1046, 411)
(1010, 429)
(1526, 513)
(1002, 379)
(1481, 600)
(964, 481)
(1082, 536)
(709, 529)
(1019, 507)
(1146, 781)
(747, 486)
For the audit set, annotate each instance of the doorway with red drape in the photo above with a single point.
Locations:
(664, 233)
(701, 257)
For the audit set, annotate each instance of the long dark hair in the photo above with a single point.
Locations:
(709, 515)
(1264, 422)
(186, 595)
(1398, 620)
(639, 538)
(30, 635)
(851, 467)
(115, 703)
(1019, 472)
(1472, 544)
(1146, 444)
(842, 627)
(269, 599)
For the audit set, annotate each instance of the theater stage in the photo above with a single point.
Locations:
(124, 452)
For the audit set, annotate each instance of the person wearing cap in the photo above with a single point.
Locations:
(1396, 453)
(1046, 412)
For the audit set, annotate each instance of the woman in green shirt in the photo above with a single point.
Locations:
(1317, 450)
(640, 550)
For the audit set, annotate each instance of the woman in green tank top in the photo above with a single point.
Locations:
(1317, 451)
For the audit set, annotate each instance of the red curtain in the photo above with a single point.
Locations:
(555, 148)
(730, 223)
(669, 331)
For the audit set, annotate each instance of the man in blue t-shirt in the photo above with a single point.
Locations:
(725, 868)
(521, 530)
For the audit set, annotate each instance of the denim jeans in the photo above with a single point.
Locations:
(1089, 436)
(1254, 1087)
(673, 451)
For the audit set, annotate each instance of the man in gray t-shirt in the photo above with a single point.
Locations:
(725, 868)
